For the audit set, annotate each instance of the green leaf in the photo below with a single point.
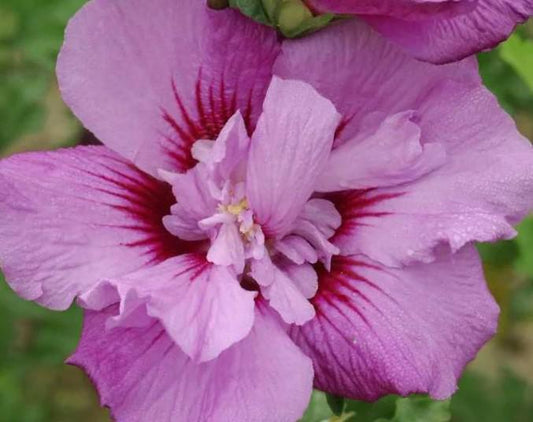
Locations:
(318, 409)
(500, 254)
(502, 79)
(505, 397)
(8, 24)
(524, 242)
(336, 403)
(31, 33)
(518, 53)
(420, 409)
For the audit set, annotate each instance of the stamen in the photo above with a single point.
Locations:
(237, 208)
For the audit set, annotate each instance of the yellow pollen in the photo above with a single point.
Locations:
(237, 208)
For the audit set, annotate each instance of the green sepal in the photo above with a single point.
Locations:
(420, 409)
(336, 403)
(309, 25)
(254, 9)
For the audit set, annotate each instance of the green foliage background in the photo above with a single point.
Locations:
(35, 385)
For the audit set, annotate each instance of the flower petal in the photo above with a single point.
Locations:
(287, 297)
(304, 277)
(444, 39)
(202, 306)
(224, 156)
(227, 248)
(407, 9)
(385, 331)
(391, 156)
(195, 202)
(74, 216)
(485, 183)
(142, 376)
(317, 223)
(484, 188)
(149, 78)
(289, 150)
(297, 249)
(366, 77)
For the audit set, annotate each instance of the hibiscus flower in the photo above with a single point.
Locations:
(265, 216)
(438, 31)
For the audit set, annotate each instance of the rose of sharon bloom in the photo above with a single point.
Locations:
(438, 31)
(254, 226)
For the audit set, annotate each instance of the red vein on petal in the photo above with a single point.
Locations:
(212, 106)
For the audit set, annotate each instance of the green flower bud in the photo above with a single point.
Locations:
(292, 15)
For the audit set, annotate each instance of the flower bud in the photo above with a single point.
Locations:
(292, 16)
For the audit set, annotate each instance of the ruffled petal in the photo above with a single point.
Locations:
(224, 157)
(143, 376)
(289, 150)
(317, 223)
(202, 306)
(149, 78)
(484, 188)
(304, 277)
(297, 249)
(200, 190)
(287, 296)
(195, 202)
(405, 9)
(444, 39)
(382, 331)
(366, 77)
(227, 248)
(74, 216)
(391, 156)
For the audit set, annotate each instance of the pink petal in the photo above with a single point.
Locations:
(366, 77)
(444, 39)
(142, 376)
(289, 150)
(202, 306)
(195, 202)
(383, 331)
(74, 216)
(225, 155)
(297, 249)
(323, 215)
(149, 78)
(390, 156)
(484, 188)
(227, 248)
(317, 223)
(485, 183)
(406, 9)
(286, 296)
(304, 277)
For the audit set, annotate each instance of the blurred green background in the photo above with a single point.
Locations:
(35, 385)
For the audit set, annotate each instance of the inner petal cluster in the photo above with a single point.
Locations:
(235, 236)
(272, 243)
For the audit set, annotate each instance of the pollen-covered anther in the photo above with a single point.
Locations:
(235, 209)
(248, 229)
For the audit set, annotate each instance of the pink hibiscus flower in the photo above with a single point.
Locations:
(265, 216)
(438, 31)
